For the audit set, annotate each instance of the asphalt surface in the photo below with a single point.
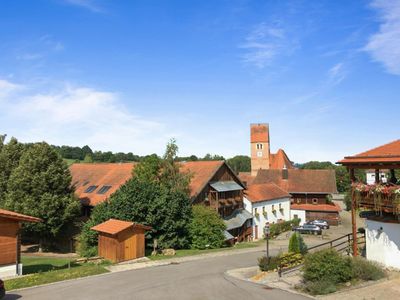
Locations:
(200, 279)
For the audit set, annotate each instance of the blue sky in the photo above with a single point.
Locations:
(129, 75)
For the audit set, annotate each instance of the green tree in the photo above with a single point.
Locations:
(294, 243)
(88, 158)
(10, 155)
(41, 187)
(206, 228)
(239, 163)
(149, 169)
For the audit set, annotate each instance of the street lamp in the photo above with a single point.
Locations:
(267, 232)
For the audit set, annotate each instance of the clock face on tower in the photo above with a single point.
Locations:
(259, 154)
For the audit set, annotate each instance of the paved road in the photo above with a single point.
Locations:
(200, 279)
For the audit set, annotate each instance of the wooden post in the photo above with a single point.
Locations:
(377, 176)
(353, 215)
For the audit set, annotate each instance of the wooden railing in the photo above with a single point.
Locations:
(378, 197)
(342, 244)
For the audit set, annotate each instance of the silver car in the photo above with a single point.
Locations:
(309, 228)
(320, 223)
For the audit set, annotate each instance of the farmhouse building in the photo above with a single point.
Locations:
(10, 253)
(268, 203)
(212, 184)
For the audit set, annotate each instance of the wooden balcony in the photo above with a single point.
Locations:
(379, 198)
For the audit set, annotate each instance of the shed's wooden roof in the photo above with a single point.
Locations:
(18, 217)
(114, 226)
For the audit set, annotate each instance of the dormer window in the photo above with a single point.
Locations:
(91, 188)
(104, 189)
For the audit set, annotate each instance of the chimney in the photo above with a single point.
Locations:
(260, 148)
(285, 173)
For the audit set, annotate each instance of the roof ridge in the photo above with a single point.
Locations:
(375, 148)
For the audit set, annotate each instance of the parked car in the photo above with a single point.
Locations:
(320, 223)
(2, 289)
(309, 228)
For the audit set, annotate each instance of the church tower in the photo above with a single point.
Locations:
(260, 151)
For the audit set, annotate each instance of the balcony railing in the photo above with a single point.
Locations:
(377, 197)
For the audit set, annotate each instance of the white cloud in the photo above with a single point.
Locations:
(88, 4)
(78, 116)
(337, 74)
(384, 46)
(7, 87)
(264, 44)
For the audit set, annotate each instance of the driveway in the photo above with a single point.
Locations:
(199, 279)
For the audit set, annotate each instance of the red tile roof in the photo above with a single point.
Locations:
(246, 177)
(388, 153)
(99, 174)
(114, 226)
(317, 207)
(300, 181)
(18, 217)
(265, 192)
(280, 160)
(259, 133)
(202, 172)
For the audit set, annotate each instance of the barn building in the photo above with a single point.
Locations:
(10, 247)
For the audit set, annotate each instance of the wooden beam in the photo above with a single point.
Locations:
(377, 176)
(353, 217)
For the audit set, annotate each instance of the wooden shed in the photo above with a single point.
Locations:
(10, 224)
(121, 240)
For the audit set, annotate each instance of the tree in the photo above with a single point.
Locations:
(206, 228)
(239, 163)
(10, 155)
(41, 187)
(297, 244)
(88, 158)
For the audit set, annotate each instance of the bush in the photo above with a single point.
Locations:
(327, 265)
(206, 229)
(290, 259)
(297, 244)
(321, 287)
(266, 265)
(347, 200)
(366, 270)
(294, 243)
(278, 228)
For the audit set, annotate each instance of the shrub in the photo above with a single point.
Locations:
(294, 243)
(328, 265)
(366, 270)
(321, 287)
(290, 259)
(206, 228)
(266, 265)
(278, 228)
(347, 200)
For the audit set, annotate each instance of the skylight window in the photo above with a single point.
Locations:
(104, 189)
(91, 188)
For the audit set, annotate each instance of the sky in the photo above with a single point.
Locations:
(127, 76)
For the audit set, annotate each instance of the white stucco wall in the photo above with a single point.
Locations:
(383, 245)
(301, 214)
(270, 217)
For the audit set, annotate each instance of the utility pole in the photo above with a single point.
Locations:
(267, 233)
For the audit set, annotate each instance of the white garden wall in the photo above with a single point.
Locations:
(383, 243)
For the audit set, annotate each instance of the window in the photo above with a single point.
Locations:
(104, 189)
(91, 188)
(295, 216)
(85, 183)
(259, 146)
(315, 201)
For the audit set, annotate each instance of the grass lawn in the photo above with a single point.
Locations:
(190, 252)
(42, 270)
